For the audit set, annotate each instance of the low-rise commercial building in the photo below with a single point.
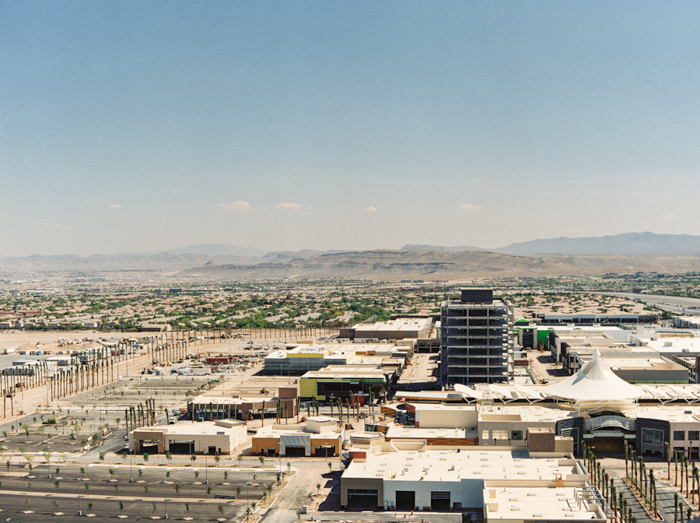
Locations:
(342, 381)
(305, 358)
(401, 478)
(318, 436)
(395, 329)
(208, 408)
(217, 437)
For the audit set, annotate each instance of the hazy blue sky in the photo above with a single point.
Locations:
(146, 125)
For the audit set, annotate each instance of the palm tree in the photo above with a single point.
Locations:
(47, 457)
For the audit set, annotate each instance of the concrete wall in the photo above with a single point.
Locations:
(496, 427)
(262, 444)
(458, 417)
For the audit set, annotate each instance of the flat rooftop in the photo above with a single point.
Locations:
(202, 428)
(418, 433)
(450, 465)
(224, 400)
(399, 324)
(676, 414)
(559, 504)
(528, 413)
(344, 372)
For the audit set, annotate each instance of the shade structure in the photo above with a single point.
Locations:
(595, 381)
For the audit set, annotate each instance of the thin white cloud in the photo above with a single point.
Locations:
(470, 207)
(239, 206)
(370, 209)
(114, 206)
(56, 226)
(286, 206)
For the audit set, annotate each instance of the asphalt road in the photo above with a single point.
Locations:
(673, 303)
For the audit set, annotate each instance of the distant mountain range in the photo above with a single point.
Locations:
(447, 265)
(219, 249)
(622, 253)
(638, 243)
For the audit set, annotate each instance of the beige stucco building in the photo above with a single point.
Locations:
(206, 437)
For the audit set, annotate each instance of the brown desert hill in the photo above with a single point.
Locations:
(624, 264)
(397, 264)
(393, 264)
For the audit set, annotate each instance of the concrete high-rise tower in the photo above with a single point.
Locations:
(477, 339)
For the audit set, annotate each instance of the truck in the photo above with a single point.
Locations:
(218, 360)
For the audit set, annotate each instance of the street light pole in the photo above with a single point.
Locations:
(165, 496)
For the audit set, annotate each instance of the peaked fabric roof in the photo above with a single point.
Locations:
(595, 381)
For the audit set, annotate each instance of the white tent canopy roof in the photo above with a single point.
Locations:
(594, 382)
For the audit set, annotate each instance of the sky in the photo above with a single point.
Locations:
(131, 126)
